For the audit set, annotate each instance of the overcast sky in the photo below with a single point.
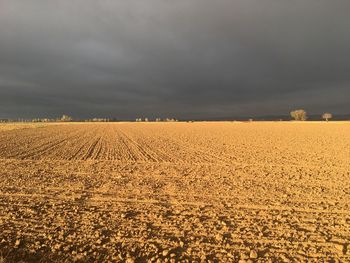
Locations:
(183, 58)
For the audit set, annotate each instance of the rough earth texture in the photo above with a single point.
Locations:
(170, 192)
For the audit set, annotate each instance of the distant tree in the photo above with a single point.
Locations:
(170, 119)
(98, 120)
(299, 115)
(326, 116)
(66, 118)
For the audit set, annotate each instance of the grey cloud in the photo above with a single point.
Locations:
(193, 58)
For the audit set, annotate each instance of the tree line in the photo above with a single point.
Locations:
(298, 115)
(301, 115)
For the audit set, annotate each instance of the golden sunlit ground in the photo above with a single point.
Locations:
(202, 191)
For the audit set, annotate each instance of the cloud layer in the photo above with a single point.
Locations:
(188, 59)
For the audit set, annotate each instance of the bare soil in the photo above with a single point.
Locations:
(170, 192)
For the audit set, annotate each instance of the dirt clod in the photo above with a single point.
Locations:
(253, 254)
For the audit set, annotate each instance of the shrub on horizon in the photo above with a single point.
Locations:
(326, 116)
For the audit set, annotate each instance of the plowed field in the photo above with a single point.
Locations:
(138, 192)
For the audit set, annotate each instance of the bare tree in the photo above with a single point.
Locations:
(326, 116)
(66, 118)
(299, 115)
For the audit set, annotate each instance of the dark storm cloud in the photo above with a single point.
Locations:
(193, 58)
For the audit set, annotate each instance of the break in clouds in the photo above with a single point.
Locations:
(184, 59)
